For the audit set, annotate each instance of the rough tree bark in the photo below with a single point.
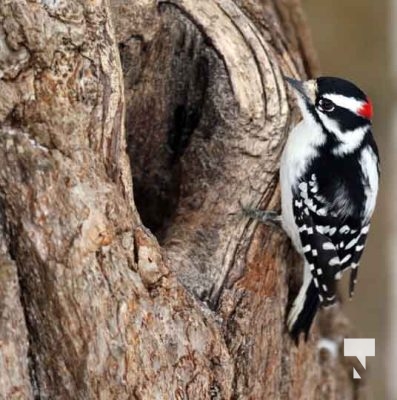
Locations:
(91, 306)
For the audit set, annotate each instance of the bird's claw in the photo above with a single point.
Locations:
(263, 216)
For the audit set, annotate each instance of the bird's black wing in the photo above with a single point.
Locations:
(330, 245)
(350, 245)
(316, 231)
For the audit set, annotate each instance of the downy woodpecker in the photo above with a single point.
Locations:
(329, 178)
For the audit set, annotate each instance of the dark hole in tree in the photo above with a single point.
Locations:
(156, 164)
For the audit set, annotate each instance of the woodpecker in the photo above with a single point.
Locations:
(329, 175)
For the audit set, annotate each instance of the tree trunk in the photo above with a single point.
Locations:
(92, 307)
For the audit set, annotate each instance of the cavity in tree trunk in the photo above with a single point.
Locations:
(191, 302)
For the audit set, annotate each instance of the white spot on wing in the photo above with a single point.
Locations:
(344, 229)
(365, 229)
(334, 261)
(303, 186)
(352, 243)
(332, 231)
(346, 258)
(309, 203)
(298, 203)
(303, 228)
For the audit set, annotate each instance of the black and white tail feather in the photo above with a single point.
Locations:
(329, 181)
(304, 310)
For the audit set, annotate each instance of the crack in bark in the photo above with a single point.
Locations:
(32, 361)
(6, 247)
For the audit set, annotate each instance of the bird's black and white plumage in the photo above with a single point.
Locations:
(329, 182)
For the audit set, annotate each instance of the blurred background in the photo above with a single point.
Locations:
(357, 40)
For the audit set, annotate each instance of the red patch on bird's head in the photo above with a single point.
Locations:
(366, 110)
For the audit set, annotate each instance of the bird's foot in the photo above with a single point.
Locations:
(263, 216)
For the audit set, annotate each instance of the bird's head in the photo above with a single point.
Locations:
(340, 107)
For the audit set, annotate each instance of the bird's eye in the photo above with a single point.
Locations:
(326, 105)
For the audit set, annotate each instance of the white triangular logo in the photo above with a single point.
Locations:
(355, 374)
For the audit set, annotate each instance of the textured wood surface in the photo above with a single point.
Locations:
(94, 304)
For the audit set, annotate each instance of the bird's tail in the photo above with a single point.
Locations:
(303, 310)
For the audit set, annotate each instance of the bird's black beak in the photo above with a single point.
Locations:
(306, 89)
(297, 85)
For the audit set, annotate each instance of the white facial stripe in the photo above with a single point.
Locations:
(329, 123)
(349, 103)
(350, 140)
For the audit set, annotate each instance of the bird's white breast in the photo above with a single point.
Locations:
(300, 150)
